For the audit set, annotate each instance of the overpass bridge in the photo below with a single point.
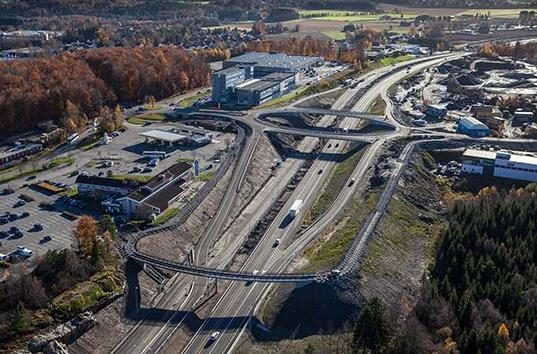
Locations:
(261, 277)
(318, 133)
(372, 118)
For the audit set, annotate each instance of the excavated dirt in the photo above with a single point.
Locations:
(258, 173)
(322, 101)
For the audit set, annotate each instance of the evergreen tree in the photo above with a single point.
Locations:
(373, 330)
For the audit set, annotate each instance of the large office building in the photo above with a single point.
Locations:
(257, 91)
(500, 164)
(256, 77)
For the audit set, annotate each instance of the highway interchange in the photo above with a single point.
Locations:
(239, 301)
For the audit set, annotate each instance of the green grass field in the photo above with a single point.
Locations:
(337, 35)
(153, 117)
(399, 59)
(341, 15)
(188, 102)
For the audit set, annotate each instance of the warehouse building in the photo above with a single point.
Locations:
(256, 73)
(472, 127)
(500, 164)
(152, 199)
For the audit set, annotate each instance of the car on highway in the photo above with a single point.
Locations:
(319, 172)
(352, 181)
(276, 242)
(214, 336)
(329, 146)
(31, 177)
(145, 124)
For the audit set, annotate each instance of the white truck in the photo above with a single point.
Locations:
(293, 212)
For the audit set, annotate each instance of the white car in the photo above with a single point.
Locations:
(23, 251)
(214, 336)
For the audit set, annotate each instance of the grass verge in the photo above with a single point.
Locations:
(399, 59)
(89, 142)
(336, 182)
(326, 252)
(206, 176)
(378, 107)
(189, 101)
(139, 120)
(167, 215)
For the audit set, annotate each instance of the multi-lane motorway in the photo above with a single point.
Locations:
(237, 304)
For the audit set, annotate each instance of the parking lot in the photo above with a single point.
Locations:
(120, 157)
(53, 223)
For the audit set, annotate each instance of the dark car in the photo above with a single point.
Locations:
(24, 215)
(38, 227)
(31, 178)
(319, 172)
(26, 198)
(14, 229)
(19, 204)
(45, 239)
(145, 124)
(4, 234)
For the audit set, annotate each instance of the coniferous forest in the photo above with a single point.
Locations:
(482, 294)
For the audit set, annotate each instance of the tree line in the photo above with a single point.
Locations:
(517, 50)
(482, 293)
(49, 88)
(310, 46)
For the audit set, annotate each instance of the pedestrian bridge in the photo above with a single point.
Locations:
(261, 277)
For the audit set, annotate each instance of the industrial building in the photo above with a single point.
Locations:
(256, 77)
(19, 152)
(500, 164)
(257, 91)
(472, 127)
(436, 111)
(153, 198)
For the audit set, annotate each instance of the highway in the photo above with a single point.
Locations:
(153, 339)
(235, 307)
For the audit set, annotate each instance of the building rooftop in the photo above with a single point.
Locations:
(105, 181)
(500, 155)
(229, 70)
(157, 183)
(479, 154)
(277, 76)
(162, 198)
(280, 60)
(472, 123)
(259, 85)
(162, 135)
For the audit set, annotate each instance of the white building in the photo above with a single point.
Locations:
(99, 187)
(500, 164)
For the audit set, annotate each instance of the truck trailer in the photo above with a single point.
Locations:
(293, 212)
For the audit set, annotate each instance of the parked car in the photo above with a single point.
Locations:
(23, 251)
(19, 204)
(31, 178)
(26, 198)
(4, 234)
(45, 239)
(24, 215)
(38, 227)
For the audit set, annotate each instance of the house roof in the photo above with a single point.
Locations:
(162, 198)
(159, 182)
(105, 181)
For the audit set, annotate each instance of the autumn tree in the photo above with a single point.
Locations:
(117, 117)
(86, 232)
